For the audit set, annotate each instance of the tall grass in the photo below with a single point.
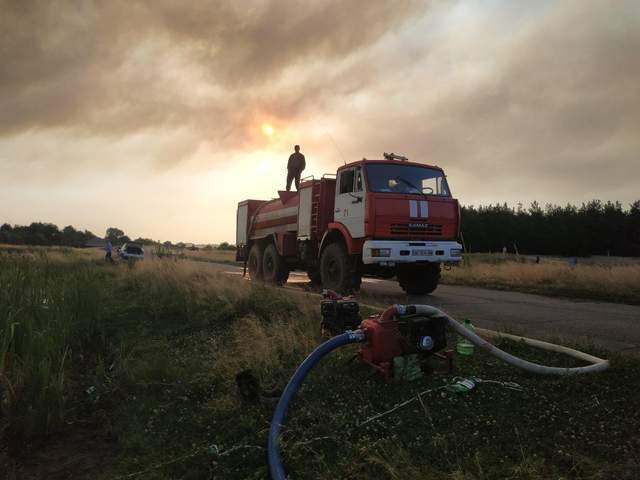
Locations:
(162, 340)
(59, 311)
(257, 327)
(49, 310)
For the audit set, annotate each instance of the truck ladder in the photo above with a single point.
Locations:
(315, 208)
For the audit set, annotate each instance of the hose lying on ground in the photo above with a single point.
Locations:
(275, 463)
(552, 347)
(598, 364)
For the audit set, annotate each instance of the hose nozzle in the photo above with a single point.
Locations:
(356, 335)
(400, 309)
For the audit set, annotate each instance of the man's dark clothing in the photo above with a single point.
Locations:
(292, 175)
(296, 162)
(295, 166)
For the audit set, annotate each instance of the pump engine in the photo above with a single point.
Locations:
(339, 314)
(399, 337)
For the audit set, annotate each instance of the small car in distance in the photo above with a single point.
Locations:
(131, 251)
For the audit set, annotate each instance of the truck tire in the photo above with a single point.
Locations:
(274, 268)
(254, 262)
(419, 280)
(338, 271)
(314, 276)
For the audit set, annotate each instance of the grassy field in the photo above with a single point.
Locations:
(217, 256)
(603, 278)
(608, 279)
(128, 371)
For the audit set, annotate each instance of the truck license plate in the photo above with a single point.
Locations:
(421, 253)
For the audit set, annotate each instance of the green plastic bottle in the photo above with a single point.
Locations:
(464, 346)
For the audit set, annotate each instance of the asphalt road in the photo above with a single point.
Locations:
(613, 326)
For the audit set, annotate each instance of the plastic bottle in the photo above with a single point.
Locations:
(461, 385)
(464, 346)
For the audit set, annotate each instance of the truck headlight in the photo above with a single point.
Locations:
(380, 252)
(456, 252)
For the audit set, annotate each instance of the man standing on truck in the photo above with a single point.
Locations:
(295, 166)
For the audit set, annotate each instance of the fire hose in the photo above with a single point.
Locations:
(598, 365)
(275, 462)
(273, 450)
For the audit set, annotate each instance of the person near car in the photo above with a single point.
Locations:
(108, 248)
(295, 166)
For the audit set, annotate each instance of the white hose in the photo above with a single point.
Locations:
(598, 364)
(552, 347)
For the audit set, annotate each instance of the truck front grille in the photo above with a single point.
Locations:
(410, 229)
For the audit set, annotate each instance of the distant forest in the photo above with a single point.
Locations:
(594, 228)
(44, 234)
(48, 234)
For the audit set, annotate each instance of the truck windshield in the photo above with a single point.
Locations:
(398, 178)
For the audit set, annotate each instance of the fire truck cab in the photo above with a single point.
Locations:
(385, 218)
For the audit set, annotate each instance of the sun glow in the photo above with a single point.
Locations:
(267, 129)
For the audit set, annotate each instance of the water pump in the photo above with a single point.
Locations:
(390, 338)
(399, 333)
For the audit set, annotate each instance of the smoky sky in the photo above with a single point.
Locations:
(517, 100)
(112, 68)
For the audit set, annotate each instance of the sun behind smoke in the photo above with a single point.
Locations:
(267, 129)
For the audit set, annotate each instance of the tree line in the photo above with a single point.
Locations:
(39, 233)
(593, 228)
(48, 234)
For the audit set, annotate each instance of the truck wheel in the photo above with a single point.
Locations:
(419, 280)
(314, 276)
(274, 268)
(338, 271)
(254, 262)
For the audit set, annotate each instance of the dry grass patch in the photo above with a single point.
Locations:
(619, 283)
(267, 347)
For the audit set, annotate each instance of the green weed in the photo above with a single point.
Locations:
(152, 350)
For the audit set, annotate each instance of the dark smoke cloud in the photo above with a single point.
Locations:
(111, 68)
(556, 116)
(538, 99)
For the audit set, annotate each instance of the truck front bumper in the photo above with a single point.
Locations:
(390, 252)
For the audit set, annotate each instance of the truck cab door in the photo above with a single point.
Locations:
(350, 199)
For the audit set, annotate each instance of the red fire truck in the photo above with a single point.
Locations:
(385, 218)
